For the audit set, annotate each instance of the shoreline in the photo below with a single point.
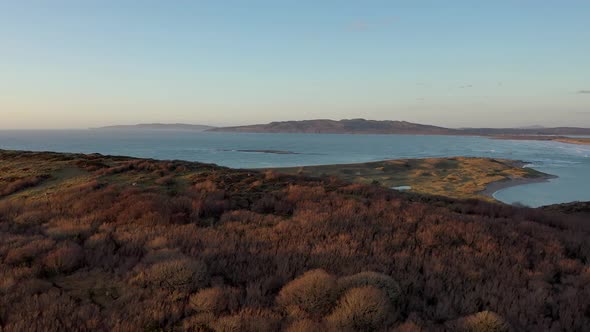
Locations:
(494, 187)
(404, 164)
(456, 177)
(544, 138)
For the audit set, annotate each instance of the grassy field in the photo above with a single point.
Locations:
(458, 177)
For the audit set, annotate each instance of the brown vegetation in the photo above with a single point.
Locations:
(456, 177)
(361, 309)
(212, 249)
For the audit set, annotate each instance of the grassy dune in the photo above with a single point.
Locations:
(458, 177)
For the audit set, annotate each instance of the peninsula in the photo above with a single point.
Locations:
(456, 177)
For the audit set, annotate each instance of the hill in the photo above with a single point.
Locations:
(92, 242)
(352, 126)
(362, 126)
(157, 126)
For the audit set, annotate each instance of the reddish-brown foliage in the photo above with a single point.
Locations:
(238, 250)
(64, 259)
(361, 309)
(312, 294)
(20, 184)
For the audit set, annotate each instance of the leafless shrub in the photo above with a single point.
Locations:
(65, 228)
(64, 259)
(29, 251)
(215, 300)
(183, 274)
(306, 325)
(311, 294)
(249, 320)
(361, 309)
(408, 326)
(200, 322)
(378, 280)
(206, 186)
(485, 321)
(167, 180)
(21, 184)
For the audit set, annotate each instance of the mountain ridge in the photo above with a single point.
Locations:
(344, 126)
(363, 126)
(357, 126)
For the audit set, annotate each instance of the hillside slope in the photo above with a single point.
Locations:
(91, 242)
(362, 126)
(352, 126)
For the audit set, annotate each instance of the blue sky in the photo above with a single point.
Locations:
(67, 64)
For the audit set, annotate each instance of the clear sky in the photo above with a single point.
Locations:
(72, 64)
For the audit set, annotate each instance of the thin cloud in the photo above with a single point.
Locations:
(359, 26)
(363, 25)
(584, 92)
(466, 86)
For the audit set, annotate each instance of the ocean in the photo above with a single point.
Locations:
(571, 163)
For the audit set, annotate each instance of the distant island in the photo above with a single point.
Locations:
(157, 126)
(346, 126)
(363, 126)
(376, 127)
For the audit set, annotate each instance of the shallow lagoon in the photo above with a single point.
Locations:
(570, 162)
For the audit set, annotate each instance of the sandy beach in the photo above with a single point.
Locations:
(494, 187)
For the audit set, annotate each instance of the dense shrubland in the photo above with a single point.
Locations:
(135, 245)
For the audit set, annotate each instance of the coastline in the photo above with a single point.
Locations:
(544, 138)
(494, 187)
(456, 177)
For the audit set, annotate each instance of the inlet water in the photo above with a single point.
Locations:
(571, 163)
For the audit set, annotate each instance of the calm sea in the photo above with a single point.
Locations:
(571, 163)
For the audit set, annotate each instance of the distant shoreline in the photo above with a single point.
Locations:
(494, 187)
(547, 138)
(376, 127)
(453, 177)
(457, 177)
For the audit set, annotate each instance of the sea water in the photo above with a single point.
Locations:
(571, 163)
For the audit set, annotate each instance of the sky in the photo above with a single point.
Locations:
(79, 64)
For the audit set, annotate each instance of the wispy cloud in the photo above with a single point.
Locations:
(363, 25)
(359, 25)
(466, 86)
(584, 92)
